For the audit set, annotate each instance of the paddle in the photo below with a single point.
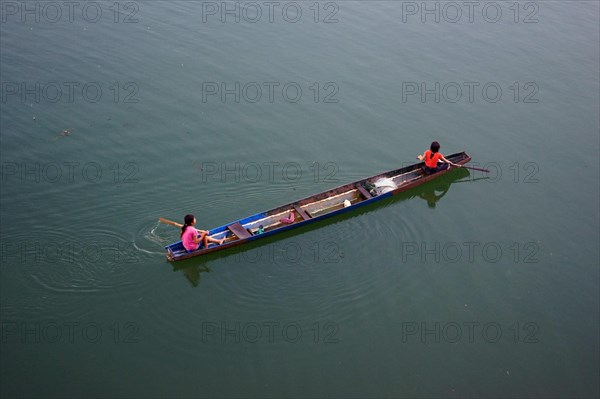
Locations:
(464, 166)
(474, 168)
(172, 223)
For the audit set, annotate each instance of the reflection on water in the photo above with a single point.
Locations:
(193, 273)
(432, 196)
(431, 192)
(434, 191)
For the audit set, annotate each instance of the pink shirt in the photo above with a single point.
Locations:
(188, 239)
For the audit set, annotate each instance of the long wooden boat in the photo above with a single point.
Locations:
(316, 207)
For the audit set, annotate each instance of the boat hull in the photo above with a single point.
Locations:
(317, 207)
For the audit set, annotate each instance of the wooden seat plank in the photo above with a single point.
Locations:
(239, 231)
(302, 213)
(364, 192)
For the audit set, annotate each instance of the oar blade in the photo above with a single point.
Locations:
(170, 222)
(474, 168)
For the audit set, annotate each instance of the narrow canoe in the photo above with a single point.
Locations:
(316, 207)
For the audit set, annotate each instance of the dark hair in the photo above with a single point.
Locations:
(435, 147)
(188, 220)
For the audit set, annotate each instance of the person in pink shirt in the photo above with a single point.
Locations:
(192, 238)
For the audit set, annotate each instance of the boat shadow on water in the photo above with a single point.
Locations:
(432, 192)
(435, 190)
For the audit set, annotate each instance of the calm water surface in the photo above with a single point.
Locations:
(465, 287)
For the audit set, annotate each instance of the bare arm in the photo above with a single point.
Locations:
(447, 161)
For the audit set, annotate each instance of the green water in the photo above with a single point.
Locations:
(472, 286)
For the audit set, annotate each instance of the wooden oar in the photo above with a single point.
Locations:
(172, 223)
(468, 167)
(474, 168)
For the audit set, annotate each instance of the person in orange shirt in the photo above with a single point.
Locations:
(431, 158)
